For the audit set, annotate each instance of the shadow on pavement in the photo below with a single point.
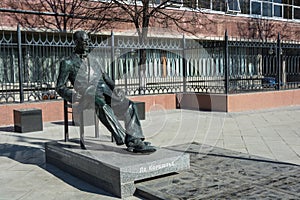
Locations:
(70, 123)
(7, 129)
(206, 150)
(36, 156)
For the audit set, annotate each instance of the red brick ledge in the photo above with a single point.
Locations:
(263, 100)
(53, 110)
(239, 102)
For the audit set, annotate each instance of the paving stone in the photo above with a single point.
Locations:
(224, 174)
(253, 193)
(216, 173)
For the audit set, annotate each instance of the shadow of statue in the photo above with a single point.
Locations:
(30, 155)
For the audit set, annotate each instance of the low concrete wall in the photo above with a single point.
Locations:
(53, 110)
(207, 102)
(239, 102)
(157, 102)
(263, 100)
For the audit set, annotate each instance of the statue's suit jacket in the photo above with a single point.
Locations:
(77, 71)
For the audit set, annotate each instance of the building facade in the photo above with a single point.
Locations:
(237, 46)
(262, 19)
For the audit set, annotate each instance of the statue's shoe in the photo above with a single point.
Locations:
(119, 142)
(129, 138)
(144, 149)
(147, 143)
(138, 146)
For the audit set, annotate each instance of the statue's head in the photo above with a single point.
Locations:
(81, 40)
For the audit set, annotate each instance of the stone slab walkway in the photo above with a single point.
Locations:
(217, 173)
(248, 156)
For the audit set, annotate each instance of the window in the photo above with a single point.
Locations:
(190, 3)
(288, 9)
(218, 5)
(156, 1)
(256, 8)
(204, 4)
(267, 9)
(297, 13)
(287, 2)
(245, 6)
(233, 5)
(288, 12)
(278, 10)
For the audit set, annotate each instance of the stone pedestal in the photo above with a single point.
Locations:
(111, 167)
(28, 120)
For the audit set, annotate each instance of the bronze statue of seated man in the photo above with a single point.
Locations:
(109, 101)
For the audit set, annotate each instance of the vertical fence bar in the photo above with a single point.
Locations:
(184, 64)
(139, 70)
(141, 67)
(226, 68)
(112, 53)
(20, 64)
(279, 68)
(125, 71)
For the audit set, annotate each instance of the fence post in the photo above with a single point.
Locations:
(226, 64)
(184, 63)
(278, 54)
(112, 56)
(20, 64)
(125, 71)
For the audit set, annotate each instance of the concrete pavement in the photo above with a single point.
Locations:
(271, 134)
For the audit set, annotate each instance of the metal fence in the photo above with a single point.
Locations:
(255, 66)
(29, 64)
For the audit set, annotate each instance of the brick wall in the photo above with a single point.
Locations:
(210, 25)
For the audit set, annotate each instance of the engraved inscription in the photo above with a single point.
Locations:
(152, 168)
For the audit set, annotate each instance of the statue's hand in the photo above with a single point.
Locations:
(108, 81)
(90, 91)
(76, 97)
(118, 94)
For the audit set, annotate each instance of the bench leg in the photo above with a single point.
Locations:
(66, 121)
(82, 144)
(96, 126)
(97, 129)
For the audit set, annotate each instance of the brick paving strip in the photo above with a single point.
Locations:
(217, 173)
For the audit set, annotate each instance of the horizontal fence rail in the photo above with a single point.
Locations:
(29, 64)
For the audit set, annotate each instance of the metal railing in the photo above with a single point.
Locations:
(29, 64)
(263, 66)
